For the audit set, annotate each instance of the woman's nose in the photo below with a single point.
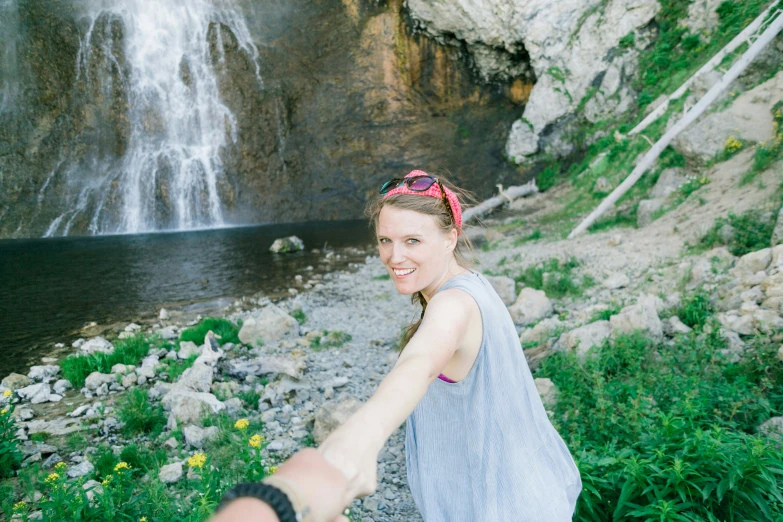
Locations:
(398, 253)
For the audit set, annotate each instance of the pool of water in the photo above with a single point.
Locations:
(52, 287)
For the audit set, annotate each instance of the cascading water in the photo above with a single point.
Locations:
(150, 70)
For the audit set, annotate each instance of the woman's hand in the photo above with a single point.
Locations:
(350, 450)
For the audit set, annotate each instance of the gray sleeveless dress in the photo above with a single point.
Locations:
(483, 449)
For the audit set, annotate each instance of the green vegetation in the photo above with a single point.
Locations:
(225, 330)
(176, 367)
(695, 309)
(604, 315)
(333, 339)
(251, 397)
(139, 414)
(126, 351)
(767, 153)
(10, 456)
(748, 232)
(554, 277)
(663, 431)
(301, 317)
(382, 277)
(536, 234)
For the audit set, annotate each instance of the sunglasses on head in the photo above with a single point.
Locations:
(418, 184)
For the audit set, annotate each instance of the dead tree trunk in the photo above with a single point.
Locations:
(510, 194)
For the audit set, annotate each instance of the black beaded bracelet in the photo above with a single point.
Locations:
(270, 495)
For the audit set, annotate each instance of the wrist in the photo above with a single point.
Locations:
(246, 509)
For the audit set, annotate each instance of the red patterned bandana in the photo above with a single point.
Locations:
(434, 192)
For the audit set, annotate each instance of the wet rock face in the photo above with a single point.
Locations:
(349, 97)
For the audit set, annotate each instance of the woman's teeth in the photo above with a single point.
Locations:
(403, 272)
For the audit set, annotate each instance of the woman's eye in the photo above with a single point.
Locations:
(414, 241)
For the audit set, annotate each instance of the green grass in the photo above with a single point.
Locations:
(663, 429)
(752, 231)
(176, 367)
(250, 398)
(126, 351)
(301, 317)
(382, 277)
(536, 234)
(556, 278)
(10, 455)
(695, 309)
(767, 153)
(140, 415)
(330, 339)
(226, 331)
(604, 315)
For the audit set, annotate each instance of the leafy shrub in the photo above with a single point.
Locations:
(139, 414)
(10, 456)
(695, 309)
(334, 339)
(250, 398)
(554, 277)
(226, 331)
(752, 231)
(104, 461)
(126, 351)
(661, 432)
(301, 317)
(143, 459)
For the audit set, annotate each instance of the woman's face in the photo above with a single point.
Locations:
(414, 249)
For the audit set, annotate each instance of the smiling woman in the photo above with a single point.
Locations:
(461, 368)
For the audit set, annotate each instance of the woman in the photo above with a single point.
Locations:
(479, 445)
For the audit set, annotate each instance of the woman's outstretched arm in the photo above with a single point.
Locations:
(354, 447)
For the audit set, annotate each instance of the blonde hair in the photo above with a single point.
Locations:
(436, 208)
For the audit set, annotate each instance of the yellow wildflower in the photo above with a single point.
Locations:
(272, 470)
(106, 480)
(256, 441)
(52, 478)
(121, 466)
(60, 466)
(7, 393)
(197, 461)
(20, 506)
(732, 145)
(241, 424)
(143, 519)
(3, 411)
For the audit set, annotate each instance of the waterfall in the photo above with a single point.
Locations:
(9, 68)
(148, 72)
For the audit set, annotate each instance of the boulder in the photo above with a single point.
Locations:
(163, 315)
(270, 324)
(772, 428)
(522, 142)
(15, 380)
(777, 232)
(97, 379)
(96, 345)
(767, 321)
(673, 326)
(61, 386)
(188, 349)
(58, 426)
(81, 469)
(167, 333)
(646, 210)
(585, 337)
(287, 244)
(505, 288)
(332, 414)
(267, 365)
(542, 331)
(531, 306)
(170, 473)
(197, 378)
(129, 380)
(234, 406)
(35, 393)
(43, 373)
(735, 347)
(754, 261)
(641, 316)
(23, 413)
(547, 390)
(197, 437)
(189, 406)
(668, 183)
(741, 324)
(616, 281)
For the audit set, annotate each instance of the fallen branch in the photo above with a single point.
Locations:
(510, 194)
(753, 51)
(732, 46)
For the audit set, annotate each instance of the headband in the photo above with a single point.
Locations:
(433, 192)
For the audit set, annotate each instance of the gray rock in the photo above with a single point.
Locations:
(163, 315)
(81, 469)
(170, 473)
(741, 324)
(505, 288)
(23, 413)
(268, 325)
(197, 437)
(641, 316)
(547, 390)
(79, 411)
(616, 280)
(188, 349)
(780, 353)
(754, 261)
(188, 406)
(59, 426)
(197, 378)
(234, 406)
(129, 380)
(168, 333)
(96, 379)
(646, 210)
(43, 373)
(674, 326)
(267, 365)
(602, 186)
(96, 345)
(35, 393)
(332, 414)
(777, 232)
(122, 369)
(735, 347)
(53, 459)
(522, 142)
(767, 321)
(585, 337)
(61, 386)
(92, 488)
(772, 428)
(531, 306)
(171, 443)
(668, 183)
(15, 380)
(542, 331)
(287, 244)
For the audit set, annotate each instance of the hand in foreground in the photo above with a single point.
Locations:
(355, 457)
(322, 486)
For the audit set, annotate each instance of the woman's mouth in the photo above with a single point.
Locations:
(401, 273)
